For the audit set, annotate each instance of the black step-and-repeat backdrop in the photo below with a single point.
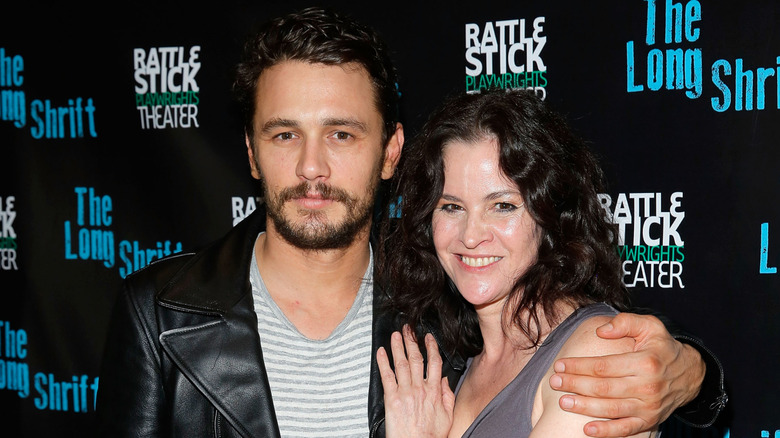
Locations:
(120, 145)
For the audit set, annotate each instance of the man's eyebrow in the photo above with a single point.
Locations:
(278, 123)
(348, 122)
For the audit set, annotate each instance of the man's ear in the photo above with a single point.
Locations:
(251, 155)
(393, 152)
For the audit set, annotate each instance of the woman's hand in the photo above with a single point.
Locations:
(415, 406)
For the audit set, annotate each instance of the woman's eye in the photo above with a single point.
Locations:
(505, 206)
(450, 207)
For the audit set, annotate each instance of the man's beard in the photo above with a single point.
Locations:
(315, 233)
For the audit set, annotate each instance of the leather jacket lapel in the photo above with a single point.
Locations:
(223, 360)
(211, 330)
(383, 327)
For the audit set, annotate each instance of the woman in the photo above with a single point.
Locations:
(503, 240)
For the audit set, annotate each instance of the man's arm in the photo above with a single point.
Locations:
(639, 390)
(554, 422)
(131, 398)
(712, 398)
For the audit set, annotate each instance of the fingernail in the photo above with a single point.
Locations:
(560, 367)
(607, 327)
(591, 430)
(556, 381)
(567, 402)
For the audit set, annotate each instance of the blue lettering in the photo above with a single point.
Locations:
(718, 104)
(395, 208)
(42, 401)
(744, 81)
(93, 244)
(692, 13)
(674, 69)
(52, 121)
(650, 22)
(682, 68)
(80, 204)
(763, 268)
(15, 376)
(748, 85)
(124, 248)
(673, 22)
(69, 255)
(15, 341)
(38, 130)
(11, 68)
(631, 87)
(66, 395)
(142, 257)
(693, 73)
(761, 76)
(99, 207)
(13, 107)
(655, 73)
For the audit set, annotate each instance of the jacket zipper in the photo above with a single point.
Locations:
(375, 428)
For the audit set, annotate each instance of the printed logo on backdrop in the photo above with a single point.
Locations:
(651, 246)
(241, 208)
(66, 118)
(506, 54)
(166, 90)
(75, 394)
(678, 65)
(7, 234)
(90, 238)
(764, 267)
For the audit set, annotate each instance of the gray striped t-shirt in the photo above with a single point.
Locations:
(319, 387)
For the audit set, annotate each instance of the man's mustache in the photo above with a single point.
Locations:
(305, 189)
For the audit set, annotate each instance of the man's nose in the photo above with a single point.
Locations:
(313, 161)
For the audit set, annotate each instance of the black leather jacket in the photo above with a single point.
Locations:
(183, 356)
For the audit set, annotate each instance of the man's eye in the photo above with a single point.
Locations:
(341, 135)
(285, 136)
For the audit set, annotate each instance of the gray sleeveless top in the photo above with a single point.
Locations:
(509, 413)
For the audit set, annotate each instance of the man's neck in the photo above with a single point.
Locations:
(314, 289)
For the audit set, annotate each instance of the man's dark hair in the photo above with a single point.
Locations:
(317, 35)
(559, 179)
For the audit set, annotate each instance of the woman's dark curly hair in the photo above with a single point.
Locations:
(559, 179)
(323, 36)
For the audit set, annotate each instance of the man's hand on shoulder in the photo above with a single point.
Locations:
(637, 390)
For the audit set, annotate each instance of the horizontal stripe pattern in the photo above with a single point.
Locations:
(319, 387)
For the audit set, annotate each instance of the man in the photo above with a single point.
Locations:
(271, 331)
